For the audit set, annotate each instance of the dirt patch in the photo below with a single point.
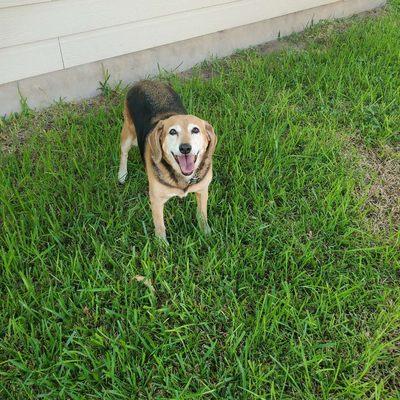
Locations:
(279, 45)
(20, 127)
(382, 174)
(204, 71)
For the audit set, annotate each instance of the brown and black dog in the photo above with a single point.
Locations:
(176, 148)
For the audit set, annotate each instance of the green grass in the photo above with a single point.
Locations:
(292, 296)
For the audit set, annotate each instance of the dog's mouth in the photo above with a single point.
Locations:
(186, 163)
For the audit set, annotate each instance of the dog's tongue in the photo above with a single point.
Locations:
(186, 163)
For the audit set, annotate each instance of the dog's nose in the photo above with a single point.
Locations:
(185, 148)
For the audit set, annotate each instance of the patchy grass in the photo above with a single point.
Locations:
(382, 172)
(293, 295)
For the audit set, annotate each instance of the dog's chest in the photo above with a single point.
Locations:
(179, 193)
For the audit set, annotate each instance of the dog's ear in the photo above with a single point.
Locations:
(212, 139)
(155, 142)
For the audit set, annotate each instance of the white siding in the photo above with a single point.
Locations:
(13, 3)
(32, 59)
(45, 36)
(66, 17)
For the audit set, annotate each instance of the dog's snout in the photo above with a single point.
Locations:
(185, 148)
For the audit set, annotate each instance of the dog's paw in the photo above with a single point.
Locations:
(162, 239)
(206, 229)
(204, 225)
(122, 177)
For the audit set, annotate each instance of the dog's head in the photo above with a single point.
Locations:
(183, 141)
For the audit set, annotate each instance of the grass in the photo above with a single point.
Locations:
(293, 296)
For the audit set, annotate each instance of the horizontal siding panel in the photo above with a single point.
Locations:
(29, 60)
(110, 42)
(66, 17)
(14, 3)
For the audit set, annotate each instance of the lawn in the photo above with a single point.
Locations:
(294, 295)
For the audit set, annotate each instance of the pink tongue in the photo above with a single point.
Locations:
(186, 163)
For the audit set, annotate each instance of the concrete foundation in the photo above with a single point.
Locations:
(82, 81)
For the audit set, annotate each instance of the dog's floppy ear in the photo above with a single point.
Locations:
(212, 139)
(155, 142)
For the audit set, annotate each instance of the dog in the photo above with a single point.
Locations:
(176, 148)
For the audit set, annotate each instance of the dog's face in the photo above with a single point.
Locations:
(183, 141)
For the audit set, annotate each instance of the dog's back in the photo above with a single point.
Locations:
(149, 102)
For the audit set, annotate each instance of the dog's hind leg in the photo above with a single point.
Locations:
(128, 139)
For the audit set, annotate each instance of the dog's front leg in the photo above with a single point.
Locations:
(202, 198)
(157, 209)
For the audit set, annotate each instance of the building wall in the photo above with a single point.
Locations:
(59, 48)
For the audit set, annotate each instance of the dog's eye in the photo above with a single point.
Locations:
(195, 130)
(173, 132)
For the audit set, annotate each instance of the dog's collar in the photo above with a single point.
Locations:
(195, 179)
